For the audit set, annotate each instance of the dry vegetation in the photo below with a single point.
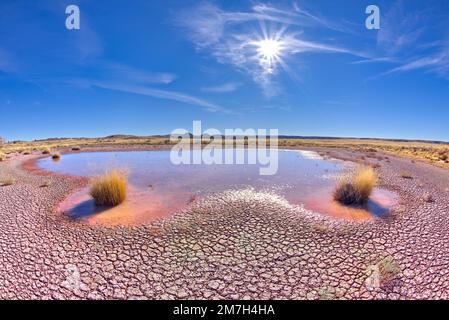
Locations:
(109, 189)
(56, 156)
(388, 269)
(7, 182)
(432, 152)
(406, 175)
(357, 189)
(436, 153)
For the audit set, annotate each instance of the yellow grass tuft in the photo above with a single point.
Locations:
(7, 182)
(2, 157)
(357, 189)
(406, 175)
(364, 181)
(46, 151)
(109, 189)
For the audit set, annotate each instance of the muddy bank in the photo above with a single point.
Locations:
(239, 244)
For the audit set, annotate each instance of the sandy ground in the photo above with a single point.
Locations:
(236, 245)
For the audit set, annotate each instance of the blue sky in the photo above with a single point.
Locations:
(149, 67)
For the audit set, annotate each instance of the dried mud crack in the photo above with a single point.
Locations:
(235, 245)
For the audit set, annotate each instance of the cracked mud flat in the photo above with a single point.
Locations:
(236, 245)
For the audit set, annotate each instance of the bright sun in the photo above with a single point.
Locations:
(269, 49)
(269, 52)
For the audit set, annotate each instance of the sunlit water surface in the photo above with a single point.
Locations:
(158, 188)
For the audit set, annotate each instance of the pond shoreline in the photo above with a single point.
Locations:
(239, 245)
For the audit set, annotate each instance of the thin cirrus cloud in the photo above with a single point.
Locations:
(230, 38)
(126, 73)
(115, 76)
(223, 88)
(438, 64)
(163, 94)
(414, 41)
(140, 89)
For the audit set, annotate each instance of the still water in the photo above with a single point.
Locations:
(158, 188)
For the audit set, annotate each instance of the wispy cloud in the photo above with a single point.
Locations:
(209, 24)
(438, 64)
(148, 91)
(226, 87)
(231, 36)
(164, 94)
(413, 40)
(375, 60)
(128, 74)
(401, 28)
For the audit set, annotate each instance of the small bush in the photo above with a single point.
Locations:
(46, 151)
(56, 156)
(358, 190)
(406, 175)
(2, 157)
(109, 189)
(46, 184)
(76, 149)
(7, 182)
(375, 165)
(388, 269)
(427, 197)
(346, 194)
(364, 182)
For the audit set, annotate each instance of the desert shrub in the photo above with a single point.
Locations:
(76, 149)
(406, 175)
(46, 184)
(358, 188)
(346, 193)
(2, 157)
(46, 151)
(388, 269)
(443, 155)
(56, 156)
(364, 182)
(109, 189)
(427, 197)
(7, 182)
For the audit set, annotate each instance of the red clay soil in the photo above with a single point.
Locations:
(237, 244)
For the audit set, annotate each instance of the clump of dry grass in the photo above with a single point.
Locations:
(2, 157)
(76, 149)
(427, 197)
(7, 182)
(46, 151)
(406, 175)
(357, 189)
(443, 154)
(46, 184)
(56, 156)
(109, 189)
(388, 269)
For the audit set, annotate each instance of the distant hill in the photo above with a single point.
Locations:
(129, 137)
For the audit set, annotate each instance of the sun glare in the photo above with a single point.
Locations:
(269, 53)
(269, 49)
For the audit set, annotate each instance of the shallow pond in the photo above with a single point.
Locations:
(158, 188)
